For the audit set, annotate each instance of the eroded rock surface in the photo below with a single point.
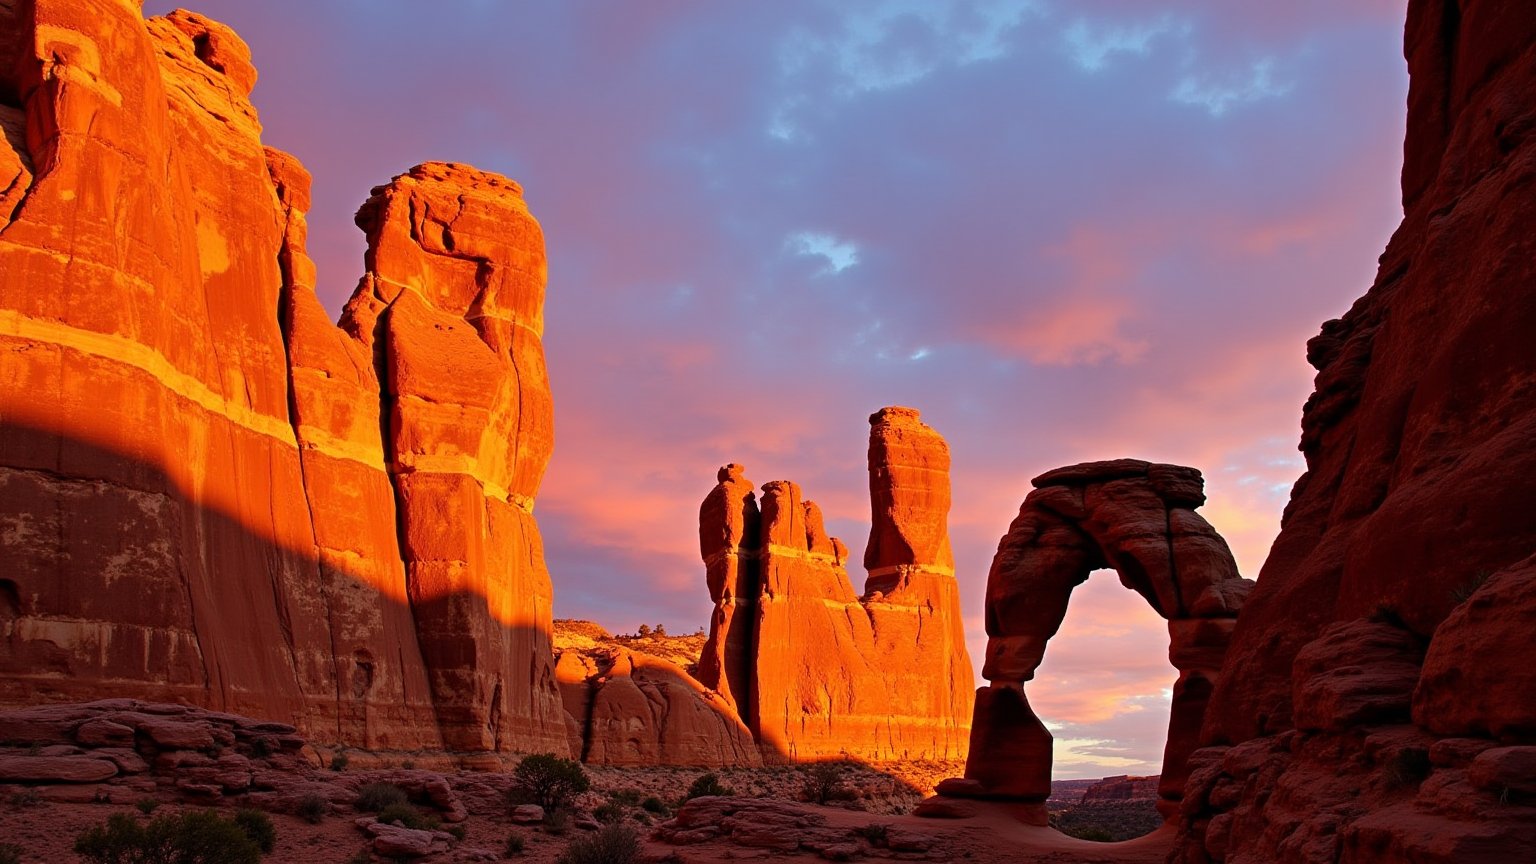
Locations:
(210, 493)
(1139, 519)
(816, 669)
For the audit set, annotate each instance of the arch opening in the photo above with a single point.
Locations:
(1138, 519)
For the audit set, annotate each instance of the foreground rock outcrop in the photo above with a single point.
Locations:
(815, 669)
(213, 495)
(1378, 702)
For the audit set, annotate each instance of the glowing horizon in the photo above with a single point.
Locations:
(1063, 232)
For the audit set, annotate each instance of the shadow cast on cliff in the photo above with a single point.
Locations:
(116, 581)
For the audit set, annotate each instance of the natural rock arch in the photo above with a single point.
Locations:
(1137, 518)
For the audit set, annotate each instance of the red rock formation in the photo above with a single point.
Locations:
(1412, 525)
(452, 311)
(626, 706)
(1137, 518)
(204, 476)
(729, 525)
(147, 448)
(816, 670)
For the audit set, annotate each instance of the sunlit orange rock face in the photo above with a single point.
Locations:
(629, 707)
(815, 669)
(1139, 519)
(1378, 703)
(210, 493)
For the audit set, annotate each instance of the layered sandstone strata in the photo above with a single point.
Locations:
(212, 494)
(815, 669)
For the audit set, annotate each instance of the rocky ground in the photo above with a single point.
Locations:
(66, 768)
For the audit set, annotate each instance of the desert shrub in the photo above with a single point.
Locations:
(557, 821)
(373, 797)
(459, 832)
(339, 762)
(198, 837)
(707, 785)
(409, 816)
(312, 808)
(515, 845)
(822, 782)
(548, 780)
(653, 804)
(10, 853)
(23, 799)
(409, 764)
(1463, 592)
(609, 813)
(1407, 767)
(257, 826)
(146, 805)
(625, 797)
(261, 747)
(611, 844)
(874, 832)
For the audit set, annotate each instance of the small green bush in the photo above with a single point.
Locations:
(515, 845)
(823, 782)
(707, 785)
(653, 805)
(612, 844)
(197, 837)
(875, 833)
(609, 813)
(312, 809)
(459, 832)
(548, 780)
(625, 797)
(374, 797)
(147, 805)
(409, 816)
(257, 826)
(339, 762)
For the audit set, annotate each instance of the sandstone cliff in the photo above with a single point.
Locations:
(1379, 703)
(816, 670)
(210, 493)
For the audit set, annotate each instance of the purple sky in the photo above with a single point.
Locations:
(1064, 231)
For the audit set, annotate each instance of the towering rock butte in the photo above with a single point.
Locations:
(208, 492)
(816, 670)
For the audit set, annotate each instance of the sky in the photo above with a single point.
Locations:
(1062, 230)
